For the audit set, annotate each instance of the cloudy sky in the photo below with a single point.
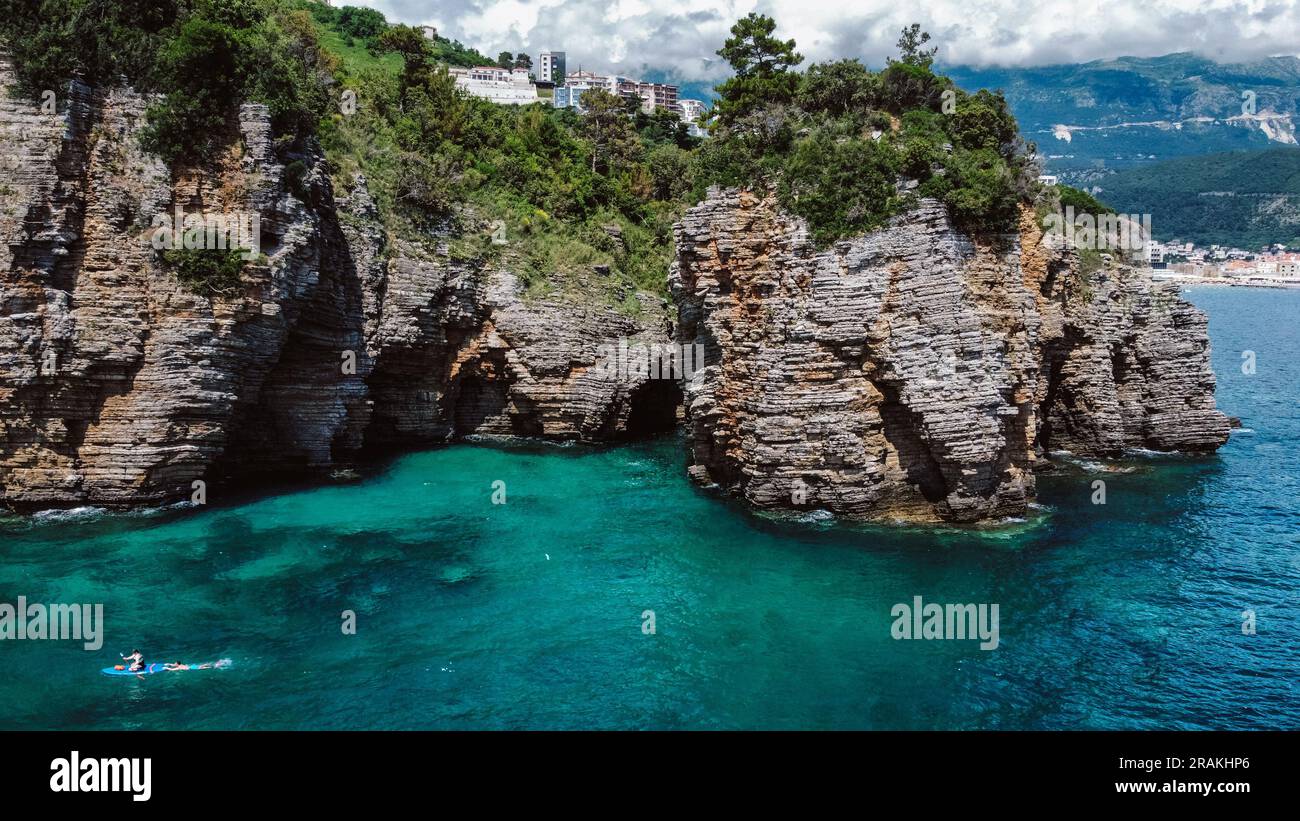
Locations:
(679, 37)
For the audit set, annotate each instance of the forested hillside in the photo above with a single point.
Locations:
(1245, 199)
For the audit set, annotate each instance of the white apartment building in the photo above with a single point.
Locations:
(692, 110)
(498, 85)
(1155, 252)
(577, 83)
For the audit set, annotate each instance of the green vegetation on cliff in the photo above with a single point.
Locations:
(573, 197)
(834, 142)
(580, 203)
(205, 56)
(1081, 201)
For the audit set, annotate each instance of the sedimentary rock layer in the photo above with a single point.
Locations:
(121, 385)
(916, 374)
(911, 373)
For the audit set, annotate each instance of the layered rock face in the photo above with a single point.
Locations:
(914, 374)
(120, 385)
(1126, 360)
(911, 373)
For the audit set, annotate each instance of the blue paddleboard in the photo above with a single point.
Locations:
(160, 667)
(144, 671)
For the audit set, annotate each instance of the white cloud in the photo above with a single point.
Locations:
(681, 36)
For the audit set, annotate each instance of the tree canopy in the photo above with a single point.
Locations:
(763, 66)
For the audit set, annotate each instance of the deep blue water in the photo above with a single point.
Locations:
(530, 614)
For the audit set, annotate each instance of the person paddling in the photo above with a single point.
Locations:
(137, 661)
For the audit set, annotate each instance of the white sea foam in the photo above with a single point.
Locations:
(1147, 452)
(818, 515)
(70, 514)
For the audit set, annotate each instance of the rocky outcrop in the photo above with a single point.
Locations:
(911, 373)
(1126, 360)
(915, 374)
(121, 385)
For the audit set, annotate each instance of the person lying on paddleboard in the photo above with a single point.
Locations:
(176, 665)
(137, 661)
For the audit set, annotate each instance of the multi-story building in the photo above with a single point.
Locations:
(658, 95)
(551, 67)
(569, 95)
(491, 73)
(577, 83)
(649, 95)
(589, 79)
(499, 85)
(692, 110)
(1155, 254)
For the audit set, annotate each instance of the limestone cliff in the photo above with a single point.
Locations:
(910, 373)
(913, 373)
(119, 384)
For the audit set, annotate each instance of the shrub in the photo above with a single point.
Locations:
(983, 121)
(980, 190)
(841, 187)
(670, 171)
(201, 70)
(206, 271)
(1081, 201)
(904, 87)
(361, 23)
(838, 88)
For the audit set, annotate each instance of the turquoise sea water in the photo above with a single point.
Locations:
(529, 614)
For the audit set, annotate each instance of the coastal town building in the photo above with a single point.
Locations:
(1155, 254)
(588, 77)
(650, 95)
(565, 89)
(1271, 268)
(692, 110)
(569, 95)
(506, 86)
(551, 67)
(577, 83)
(692, 113)
(658, 95)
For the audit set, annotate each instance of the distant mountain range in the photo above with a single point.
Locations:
(1090, 118)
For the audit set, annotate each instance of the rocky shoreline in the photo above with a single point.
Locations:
(121, 386)
(910, 373)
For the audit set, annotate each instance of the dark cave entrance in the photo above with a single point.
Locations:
(653, 408)
(480, 405)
